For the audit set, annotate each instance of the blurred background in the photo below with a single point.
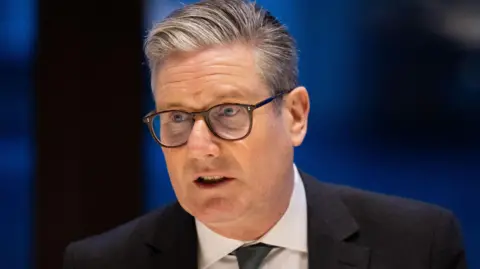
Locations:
(394, 85)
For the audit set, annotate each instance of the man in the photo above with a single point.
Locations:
(228, 115)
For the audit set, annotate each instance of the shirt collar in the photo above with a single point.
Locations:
(212, 246)
(281, 235)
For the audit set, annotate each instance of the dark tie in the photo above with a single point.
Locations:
(250, 257)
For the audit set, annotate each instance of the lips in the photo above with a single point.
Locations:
(211, 180)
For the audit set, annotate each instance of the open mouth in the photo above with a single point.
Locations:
(211, 180)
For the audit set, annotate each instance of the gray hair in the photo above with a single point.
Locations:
(222, 22)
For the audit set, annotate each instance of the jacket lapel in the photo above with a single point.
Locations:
(173, 242)
(331, 229)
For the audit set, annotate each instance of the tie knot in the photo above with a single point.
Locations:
(250, 257)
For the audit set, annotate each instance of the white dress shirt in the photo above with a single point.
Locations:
(289, 236)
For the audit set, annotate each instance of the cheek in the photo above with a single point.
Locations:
(265, 145)
(271, 135)
(168, 156)
(173, 157)
(173, 161)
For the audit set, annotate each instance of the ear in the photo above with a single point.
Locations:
(296, 109)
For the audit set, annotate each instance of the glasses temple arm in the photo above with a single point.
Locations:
(268, 100)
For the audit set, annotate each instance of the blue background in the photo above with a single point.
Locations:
(349, 51)
(17, 129)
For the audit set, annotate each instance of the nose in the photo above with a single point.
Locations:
(200, 144)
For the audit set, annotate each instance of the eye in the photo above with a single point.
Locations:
(229, 111)
(178, 117)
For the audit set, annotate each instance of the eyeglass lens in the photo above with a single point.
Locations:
(228, 121)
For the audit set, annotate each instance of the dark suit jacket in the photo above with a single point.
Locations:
(347, 228)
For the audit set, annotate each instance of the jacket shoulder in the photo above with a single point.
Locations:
(393, 225)
(368, 206)
(108, 246)
(412, 224)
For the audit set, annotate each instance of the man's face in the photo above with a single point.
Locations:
(258, 168)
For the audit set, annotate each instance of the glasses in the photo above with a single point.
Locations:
(228, 121)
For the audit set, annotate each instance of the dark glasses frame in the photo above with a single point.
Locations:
(147, 119)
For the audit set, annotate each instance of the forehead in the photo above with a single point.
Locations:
(199, 79)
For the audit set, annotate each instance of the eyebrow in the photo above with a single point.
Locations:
(216, 99)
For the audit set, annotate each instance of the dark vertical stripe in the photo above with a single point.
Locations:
(88, 107)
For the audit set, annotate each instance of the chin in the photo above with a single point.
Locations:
(215, 209)
(217, 219)
(217, 215)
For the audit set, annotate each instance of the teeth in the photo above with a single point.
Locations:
(207, 178)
